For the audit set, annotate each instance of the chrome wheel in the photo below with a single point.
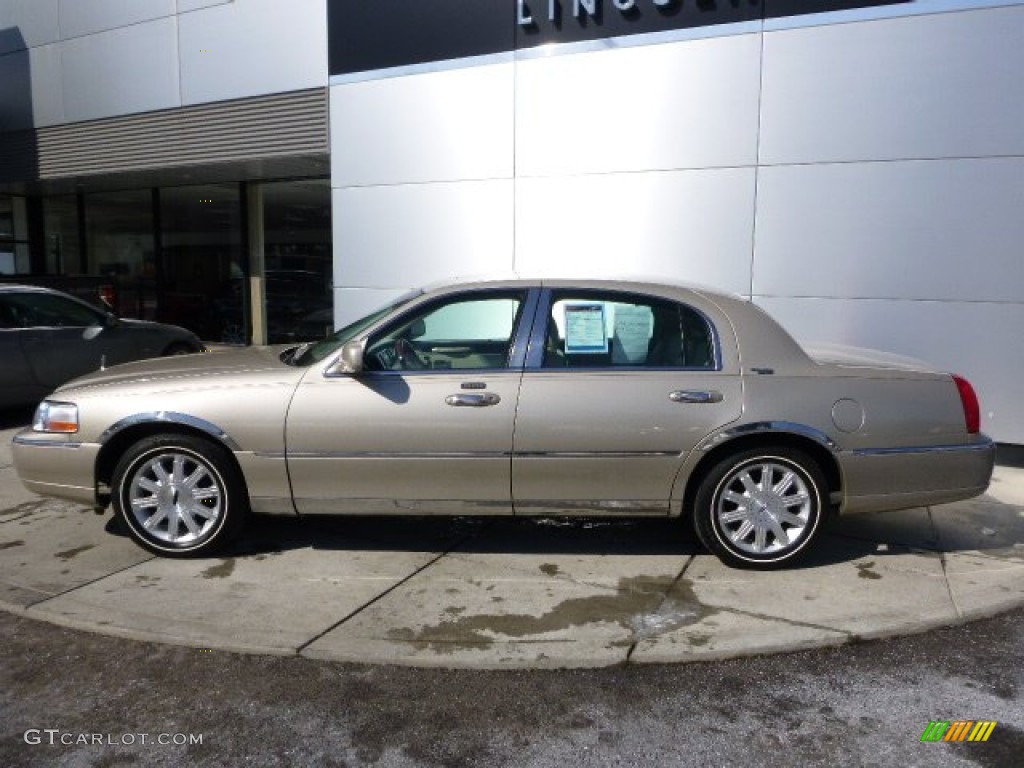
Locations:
(764, 508)
(761, 507)
(180, 495)
(176, 498)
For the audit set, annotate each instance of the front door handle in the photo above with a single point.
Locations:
(473, 400)
(695, 396)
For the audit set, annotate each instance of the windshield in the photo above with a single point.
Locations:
(317, 351)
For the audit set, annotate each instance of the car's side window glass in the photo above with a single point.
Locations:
(45, 310)
(8, 315)
(610, 330)
(463, 332)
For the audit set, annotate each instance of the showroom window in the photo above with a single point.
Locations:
(298, 260)
(202, 275)
(14, 251)
(121, 248)
(63, 245)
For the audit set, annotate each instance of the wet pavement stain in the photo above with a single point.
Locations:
(22, 511)
(70, 553)
(222, 571)
(9, 544)
(864, 571)
(643, 606)
(24, 508)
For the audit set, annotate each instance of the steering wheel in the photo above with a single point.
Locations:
(406, 357)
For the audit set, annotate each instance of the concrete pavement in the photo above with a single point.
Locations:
(510, 593)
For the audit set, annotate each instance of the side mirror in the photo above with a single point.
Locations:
(110, 320)
(351, 359)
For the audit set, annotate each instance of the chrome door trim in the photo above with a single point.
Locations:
(387, 455)
(465, 454)
(592, 454)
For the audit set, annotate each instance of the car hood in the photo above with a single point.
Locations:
(186, 369)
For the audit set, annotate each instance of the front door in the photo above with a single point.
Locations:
(427, 427)
(624, 387)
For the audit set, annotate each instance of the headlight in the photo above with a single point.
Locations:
(52, 416)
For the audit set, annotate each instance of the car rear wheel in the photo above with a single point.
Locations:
(760, 508)
(180, 496)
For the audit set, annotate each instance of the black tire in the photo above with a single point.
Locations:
(179, 348)
(787, 489)
(190, 499)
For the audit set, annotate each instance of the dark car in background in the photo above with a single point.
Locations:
(48, 338)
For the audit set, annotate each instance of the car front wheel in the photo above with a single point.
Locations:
(760, 508)
(179, 495)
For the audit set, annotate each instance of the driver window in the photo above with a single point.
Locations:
(457, 333)
(47, 310)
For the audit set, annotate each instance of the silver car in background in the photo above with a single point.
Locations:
(48, 337)
(532, 398)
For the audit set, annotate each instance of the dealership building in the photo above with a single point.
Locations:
(259, 170)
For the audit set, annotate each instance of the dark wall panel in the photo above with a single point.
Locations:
(365, 35)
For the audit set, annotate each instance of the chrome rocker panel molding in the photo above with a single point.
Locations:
(984, 445)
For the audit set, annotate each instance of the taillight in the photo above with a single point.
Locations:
(108, 295)
(969, 400)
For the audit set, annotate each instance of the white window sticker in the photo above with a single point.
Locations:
(633, 328)
(584, 329)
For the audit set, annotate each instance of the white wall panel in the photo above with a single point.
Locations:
(350, 304)
(252, 48)
(184, 6)
(85, 17)
(947, 229)
(691, 225)
(979, 340)
(122, 71)
(434, 127)
(27, 23)
(420, 233)
(947, 85)
(682, 105)
(47, 85)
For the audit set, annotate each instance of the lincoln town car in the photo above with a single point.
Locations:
(518, 397)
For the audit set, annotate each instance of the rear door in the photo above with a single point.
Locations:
(618, 388)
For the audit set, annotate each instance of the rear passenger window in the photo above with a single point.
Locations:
(608, 330)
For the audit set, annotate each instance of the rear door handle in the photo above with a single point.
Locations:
(473, 400)
(695, 396)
